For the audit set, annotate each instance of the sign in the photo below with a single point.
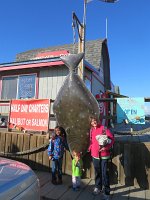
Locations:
(103, 106)
(51, 54)
(26, 86)
(29, 114)
(131, 110)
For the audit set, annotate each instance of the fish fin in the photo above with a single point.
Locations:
(68, 130)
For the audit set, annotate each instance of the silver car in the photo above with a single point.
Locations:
(18, 181)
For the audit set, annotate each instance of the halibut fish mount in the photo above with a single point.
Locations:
(74, 105)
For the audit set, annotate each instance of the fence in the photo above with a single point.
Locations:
(130, 164)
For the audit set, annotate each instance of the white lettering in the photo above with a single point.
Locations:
(24, 108)
(28, 122)
(38, 108)
(21, 121)
(40, 122)
(15, 107)
(13, 120)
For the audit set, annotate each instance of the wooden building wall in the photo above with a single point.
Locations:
(4, 109)
(50, 81)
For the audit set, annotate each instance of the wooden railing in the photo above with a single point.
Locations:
(130, 163)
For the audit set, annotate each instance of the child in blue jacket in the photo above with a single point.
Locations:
(56, 149)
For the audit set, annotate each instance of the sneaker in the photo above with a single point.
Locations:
(54, 182)
(75, 189)
(96, 191)
(105, 197)
(59, 182)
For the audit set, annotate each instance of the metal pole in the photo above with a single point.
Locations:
(82, 32)
(81, 45)
(84, 24)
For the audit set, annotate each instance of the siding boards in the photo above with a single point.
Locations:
(3, 142)
(50, 81)
(46, 162)
(8, 147)
(14, 148)
(26, 146)
(32, 157)
(43, 84)
(4, 109)
(20, 143)
(55, 82)
(39, 155)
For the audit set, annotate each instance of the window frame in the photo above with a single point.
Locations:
(17, 75)
(90, 80)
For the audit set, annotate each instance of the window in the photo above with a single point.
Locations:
(88, 83)
(9, 87)
(26, 86)
(19, 87)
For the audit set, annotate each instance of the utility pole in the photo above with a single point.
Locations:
(81, 43)
(81, 27)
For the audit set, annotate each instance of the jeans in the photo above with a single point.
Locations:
(57, 168)
(76, 181)
(101, 174)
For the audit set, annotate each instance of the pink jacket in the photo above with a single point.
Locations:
(94, 146)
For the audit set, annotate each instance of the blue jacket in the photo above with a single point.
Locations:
(56, 147)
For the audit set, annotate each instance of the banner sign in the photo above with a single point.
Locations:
(29, 114)
(131, 109)
(103, 106)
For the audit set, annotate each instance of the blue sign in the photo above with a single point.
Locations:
(26, 86)
(131, 109)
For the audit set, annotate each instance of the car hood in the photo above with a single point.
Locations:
(15, 177)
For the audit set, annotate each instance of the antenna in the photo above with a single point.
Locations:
(106, 28)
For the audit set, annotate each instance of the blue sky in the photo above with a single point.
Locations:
(31, 24)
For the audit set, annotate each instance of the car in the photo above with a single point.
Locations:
(18, 181)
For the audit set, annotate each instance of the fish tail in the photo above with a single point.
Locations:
(72, 61)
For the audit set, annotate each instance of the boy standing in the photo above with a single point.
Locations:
(77, 167)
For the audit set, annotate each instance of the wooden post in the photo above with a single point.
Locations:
(81, 48)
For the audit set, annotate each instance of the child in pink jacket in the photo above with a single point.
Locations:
(100, 156)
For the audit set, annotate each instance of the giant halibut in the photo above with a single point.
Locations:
(74, 105)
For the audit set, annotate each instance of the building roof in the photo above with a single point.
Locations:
(93, 51)
(96, 51)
